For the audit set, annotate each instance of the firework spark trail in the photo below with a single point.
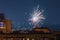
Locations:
(37, 17)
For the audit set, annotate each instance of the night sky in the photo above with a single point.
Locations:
(19, 12)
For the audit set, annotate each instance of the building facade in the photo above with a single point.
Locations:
(38, 33)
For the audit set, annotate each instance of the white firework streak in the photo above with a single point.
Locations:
(37, 17)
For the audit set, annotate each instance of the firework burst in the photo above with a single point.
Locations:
(36, 17)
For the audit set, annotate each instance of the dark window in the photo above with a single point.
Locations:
(58, 37)
(52, 39)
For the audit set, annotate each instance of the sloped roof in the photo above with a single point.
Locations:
(40, 30)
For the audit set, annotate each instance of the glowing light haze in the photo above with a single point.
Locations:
(36, 17)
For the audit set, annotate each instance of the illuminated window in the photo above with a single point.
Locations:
(27, 38)
(1, 24)
(32, 39)
(23, 39)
